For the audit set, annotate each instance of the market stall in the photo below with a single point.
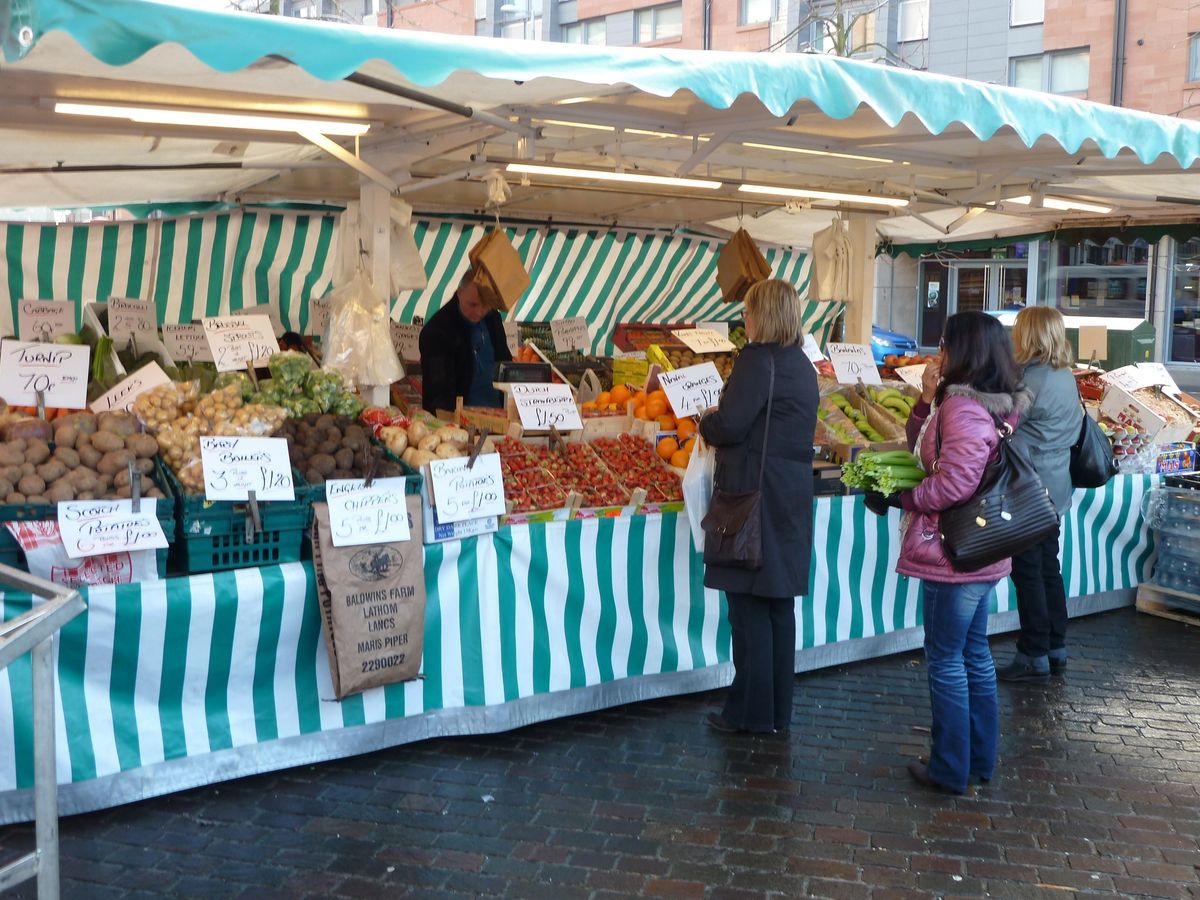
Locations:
(188, 680)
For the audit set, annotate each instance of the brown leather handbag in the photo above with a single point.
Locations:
(733, 526)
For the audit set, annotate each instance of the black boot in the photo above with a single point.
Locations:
(1025, 668)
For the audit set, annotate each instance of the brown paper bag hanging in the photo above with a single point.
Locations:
(372, 605)
(499, 272)
(740, 265)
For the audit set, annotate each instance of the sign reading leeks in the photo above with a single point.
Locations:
(367, 515)
(238, 340)
(692, 389)
(234, 466)
(122, 396)
(59, 371)
(95, 527)
(542, 406)
(461, 493)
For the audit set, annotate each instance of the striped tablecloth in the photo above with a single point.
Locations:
(171, 684)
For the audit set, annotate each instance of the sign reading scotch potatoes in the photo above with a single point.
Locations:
(372, 604)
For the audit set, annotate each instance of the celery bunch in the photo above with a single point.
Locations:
(886, 473)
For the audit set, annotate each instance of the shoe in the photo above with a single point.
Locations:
(920, 774)
(1058, 666)
(924, 760)
(1017, 671)
(717, 723)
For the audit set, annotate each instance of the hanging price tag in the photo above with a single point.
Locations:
(96, 527)
(59, 371)
(367, 515)
(187, 343)
(461, 493)
(543, 405)
(238, 340)
(318, 316)
(852, 362)
(692, 389)
(44, 320)
(234, 466)
(569, 334)
(122, 396)
(701, 340)
(512, 336)
(407, 341)
(131, 318)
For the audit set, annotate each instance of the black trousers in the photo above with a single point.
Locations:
(1041, 598)
(763, 632)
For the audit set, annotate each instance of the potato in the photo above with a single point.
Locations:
(89, 455)
(85, 495)
(103, 484)
(37, 498)
(107, 442)
(65, 436)
(68, 456)
(323, 463)
(421, 457)
(31, 485)
(417, 431)
(37, 452)
(118, 422)
(448, 451)
(28, 468)
(313, 476)
(82, 422)
(344, 458)
(145, 466)
(114, 462)
(10, 456)
(11, 473)
(5, 488)
(429, 442)
(453, 433)
(142, 445)
(121, 479)
(29, 429)
(328, 448)
(325, 420)
(60, 493)
(342, 473)
(82, 480)
(156, 494)
(15, 497)
(50, 472)
(407, 455)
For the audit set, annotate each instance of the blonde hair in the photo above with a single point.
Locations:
(1040, 336)
(776, 309)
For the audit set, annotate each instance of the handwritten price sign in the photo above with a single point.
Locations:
(367, 515)
(187, 343)
(59, 371)
(407, 341)
(318, 316)
(131, 318)
(122, 396)
(44, 320)
(544, 405)
(852, 362)
(237, 340)
(460, 493)
(912, 375)
(569, 334)
(95, 527)
(692, 389)
(702, 340)
(234, 466)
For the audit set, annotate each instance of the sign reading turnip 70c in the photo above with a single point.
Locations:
(59, 371)
(234, 466)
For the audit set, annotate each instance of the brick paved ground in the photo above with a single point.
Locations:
(1098, 793)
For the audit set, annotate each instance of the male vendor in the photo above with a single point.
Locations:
(460, 345)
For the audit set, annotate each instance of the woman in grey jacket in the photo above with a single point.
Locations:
(1047, 432)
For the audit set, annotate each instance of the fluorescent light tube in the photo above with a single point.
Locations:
(775, 190)
(606, 175)
(1060, 203)
(211, 119)
(878, 159)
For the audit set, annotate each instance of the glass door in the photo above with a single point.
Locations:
(973, 289)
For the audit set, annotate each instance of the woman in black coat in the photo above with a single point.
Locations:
(762, 606)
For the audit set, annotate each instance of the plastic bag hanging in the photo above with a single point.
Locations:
(360, 338)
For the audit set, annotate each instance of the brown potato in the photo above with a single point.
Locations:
(65, 436)
(89, 455)
(68, 456)
(37, 452)
(50, 472)
(31, 485)
(114, 462)
(107, 442)
(142, 445)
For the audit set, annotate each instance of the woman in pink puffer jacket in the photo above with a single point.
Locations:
(973, 391)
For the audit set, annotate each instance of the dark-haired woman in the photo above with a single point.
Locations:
(967, 397)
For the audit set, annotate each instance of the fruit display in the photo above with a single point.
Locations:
(893, 361)
(737, 336)
(540, 333)
(324, 446)
(681, 357)
(637, 465)
(894, 401)
(885, 473)
(80, 457)
(1090, 383)
(177, 415)
(855, 415)
(576, 467)
(425, 440)
(528, 486)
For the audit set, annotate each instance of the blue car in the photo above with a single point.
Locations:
(886, 343)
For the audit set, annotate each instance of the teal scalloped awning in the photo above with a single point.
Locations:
(118, 32)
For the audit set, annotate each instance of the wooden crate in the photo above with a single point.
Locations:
(1178, 606)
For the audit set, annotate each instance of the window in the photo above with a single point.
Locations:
(659, 23)
(590, 31)
(1194, 58)
(1062, 72)
(858, 32)
(1090, 278)
(1185, 300)
(481, 9)
(1027, 12)
(914, 20)
(755, 11)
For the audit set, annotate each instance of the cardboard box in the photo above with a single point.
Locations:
(740, 265)
(498, 271)
(1176, 460)
(1124, 408)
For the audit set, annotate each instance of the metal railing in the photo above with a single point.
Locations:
(33, 632)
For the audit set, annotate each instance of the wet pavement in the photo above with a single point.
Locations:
(1097, 794)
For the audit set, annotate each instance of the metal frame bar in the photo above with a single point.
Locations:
(34, 633)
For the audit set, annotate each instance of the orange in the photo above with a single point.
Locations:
(619, 394)
(689, 444)
(655, 407)
(604, 398)
(680, 458)
(667, 447)
(591, 404)
(686, 428)
(639, 412)
(666, 423)
(639, 397)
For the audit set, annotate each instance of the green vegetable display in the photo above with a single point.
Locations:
(290, 368)
(887, 473)
(303, 390)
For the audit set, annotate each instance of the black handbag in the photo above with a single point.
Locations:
(1010, 512)
(1092, 462)
(733, 525)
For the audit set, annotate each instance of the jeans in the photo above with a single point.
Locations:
(962, 682)
(1041, 599)
(763, 635)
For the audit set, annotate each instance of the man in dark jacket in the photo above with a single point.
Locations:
(460, 345)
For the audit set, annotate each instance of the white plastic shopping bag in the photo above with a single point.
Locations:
(698, 488)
